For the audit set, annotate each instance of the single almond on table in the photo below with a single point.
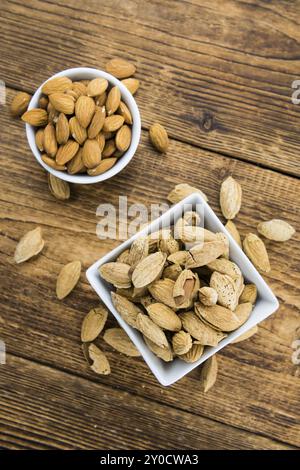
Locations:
(120, 68)
(30, 245)
(62, 103)
(35, 117)
(50, 144)
(124, 111)
(20, 103)
(66, 152)
(118, 339)
(96, 87)
(100, 363)
(113, 100)
(103, 166)
(230, 198)
(67, 279)
(256, 251)
(276, 229)
(181, 342)
(93, 324)
(132, 84)
(159, 137)
(62, 129)
(97, 122)
(84, 110)
(123, 138)
(209, 371)
(57, 85)
(59, 188)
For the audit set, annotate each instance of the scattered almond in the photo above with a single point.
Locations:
(20, 103)
(276, 229)
(93, 324)
(67, 279)
(120, 341)
(120, 68)
(100, 362)
(31, 244)
(209, 373)
(230, 198)
(256, 251)
(132, 84)
(159, 137)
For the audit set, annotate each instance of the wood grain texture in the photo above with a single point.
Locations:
(217, 74)
(255, 401)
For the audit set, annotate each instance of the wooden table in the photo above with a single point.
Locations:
(217, 75)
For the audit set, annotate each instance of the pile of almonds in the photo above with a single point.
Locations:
(82, 126)
(178, 288)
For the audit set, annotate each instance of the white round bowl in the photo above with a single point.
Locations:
(82, 73)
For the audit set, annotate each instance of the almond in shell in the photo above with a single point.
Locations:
(204, 253)
(93, 324)
(205, 334)
(276, 229)
(67, 279)
(208, 375)
(31, 244)
(226, 289)
(246, 335)
(166, 353)
(162, 291)
(181, 342)
(172, 271)
(208, 296)
(152, 331)
(249, 294)
(231, 227)
(164, 317)
(127, 309)
(181, 191)
(149, 269)
(230, 198)
(116, 273)
(120, 341)
(193, 354)
(223, 318)
(185, 289)
(100, 363)
(256, 251)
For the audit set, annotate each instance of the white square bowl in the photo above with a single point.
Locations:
(169, 372)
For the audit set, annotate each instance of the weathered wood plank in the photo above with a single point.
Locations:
(42, 408)
(36, 325)
(223, 70)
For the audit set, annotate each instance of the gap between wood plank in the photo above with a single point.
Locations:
(207, 149)
(167, 405)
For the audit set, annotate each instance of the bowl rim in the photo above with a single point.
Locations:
(268, 300)
(136, 127)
